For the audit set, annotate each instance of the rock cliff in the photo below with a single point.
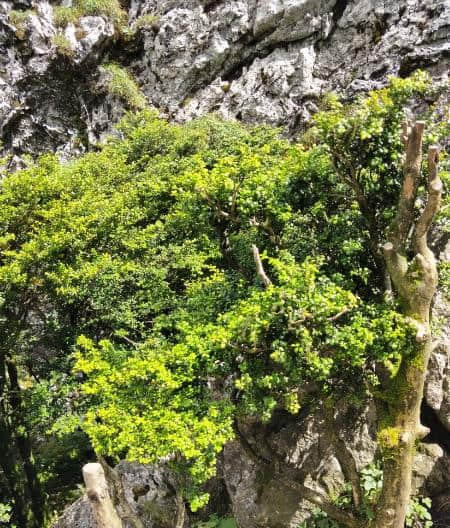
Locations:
(255, 60)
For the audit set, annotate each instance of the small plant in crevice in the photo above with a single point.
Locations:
(111, 9)
(418, 515)
(121, 84)
(18, 19)
(147, 21)
(144, 22)
(63, 45)
(63, 16)
(217, 522)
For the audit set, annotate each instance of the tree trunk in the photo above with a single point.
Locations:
(23, 443)
(10, 467)
(400, 431)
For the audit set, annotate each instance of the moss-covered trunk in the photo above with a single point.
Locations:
(400, 430)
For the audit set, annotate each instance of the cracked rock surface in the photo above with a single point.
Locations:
(255, 60)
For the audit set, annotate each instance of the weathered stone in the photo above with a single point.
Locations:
(275, 58)
(431, 470)
(77, 515)
(150, 491)
(437, 388)
(261, 498)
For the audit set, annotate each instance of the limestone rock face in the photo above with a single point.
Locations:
(437, 388)
(258, 61)
(259, 498)
(77, 515)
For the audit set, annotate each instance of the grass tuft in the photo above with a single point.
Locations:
(63, 45)
(121, 84)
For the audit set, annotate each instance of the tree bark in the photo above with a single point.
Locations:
(259, 267)
(10, 467)
(23, 443)
(181, 511)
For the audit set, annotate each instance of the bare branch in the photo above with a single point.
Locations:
(216, 206)
(423, 432)
(259, 267)
(411, 170)
(387, 284)
(433, 161)
(266, 226)
(350, 178)
(433, 203)
(406, 131)
(236, 188)
(339, 315)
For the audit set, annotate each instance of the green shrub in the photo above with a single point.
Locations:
(139, 257)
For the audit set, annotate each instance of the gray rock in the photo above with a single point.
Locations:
(77, 515)
(148, 492)
(431, 470)
(260, 498)
(258, 61)
(437, 387)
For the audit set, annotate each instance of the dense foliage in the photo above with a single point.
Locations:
(136, 262)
